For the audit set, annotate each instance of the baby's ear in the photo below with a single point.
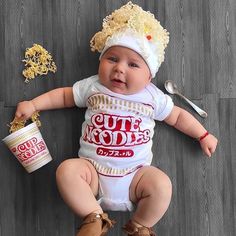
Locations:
(150, 77)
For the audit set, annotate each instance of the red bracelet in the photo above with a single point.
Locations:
(203, 136)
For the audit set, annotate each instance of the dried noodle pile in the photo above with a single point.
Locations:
(38, 61)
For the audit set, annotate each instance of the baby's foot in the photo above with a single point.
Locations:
(95, 225)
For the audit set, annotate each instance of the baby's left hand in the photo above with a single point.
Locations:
(208, 144)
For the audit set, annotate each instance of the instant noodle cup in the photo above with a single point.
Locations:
(28, 147)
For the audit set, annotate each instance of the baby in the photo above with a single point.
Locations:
(115, 146)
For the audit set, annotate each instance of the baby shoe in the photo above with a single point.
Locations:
(95, 225)
(132, 230)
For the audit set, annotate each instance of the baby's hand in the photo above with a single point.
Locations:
(208, 144)
(25, 110)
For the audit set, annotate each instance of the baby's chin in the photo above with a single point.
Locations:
(118, 90)
(123, 91)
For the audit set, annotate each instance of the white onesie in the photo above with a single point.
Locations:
(117, 135)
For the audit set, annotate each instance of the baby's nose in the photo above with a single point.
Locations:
(120, 67)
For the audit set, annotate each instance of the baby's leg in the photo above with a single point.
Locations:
(77, 182)
(151, 190)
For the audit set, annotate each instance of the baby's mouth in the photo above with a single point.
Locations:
(118, 81)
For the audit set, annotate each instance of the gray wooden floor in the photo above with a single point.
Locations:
(200, 58)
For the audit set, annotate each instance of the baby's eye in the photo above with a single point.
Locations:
(132, 64)
(113, 59)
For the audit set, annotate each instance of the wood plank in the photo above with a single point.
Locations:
(2, 43)
(227, 111)
(223, 48)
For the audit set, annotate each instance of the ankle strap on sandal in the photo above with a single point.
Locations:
(132, 229)
(103, 217)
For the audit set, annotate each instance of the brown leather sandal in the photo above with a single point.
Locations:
(132, 230)
(95, 225)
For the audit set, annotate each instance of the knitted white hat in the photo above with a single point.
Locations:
(132, 27)
(139, 44)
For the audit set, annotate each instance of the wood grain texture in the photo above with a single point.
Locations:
(200, 58)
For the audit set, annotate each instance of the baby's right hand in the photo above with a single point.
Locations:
(25, 110)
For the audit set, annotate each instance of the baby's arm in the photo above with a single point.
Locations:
(54, 99)
(186, 123)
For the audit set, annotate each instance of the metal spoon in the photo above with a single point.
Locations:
(172, 88)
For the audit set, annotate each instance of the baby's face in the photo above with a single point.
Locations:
(123, 71)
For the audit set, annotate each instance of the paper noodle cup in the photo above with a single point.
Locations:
(29, 148)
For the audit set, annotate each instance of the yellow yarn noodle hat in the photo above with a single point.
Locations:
(132, 27)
